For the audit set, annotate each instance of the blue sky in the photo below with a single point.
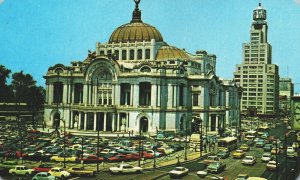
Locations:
(37, 34)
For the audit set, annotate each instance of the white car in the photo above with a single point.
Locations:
(59, 172)
(295, 145)
(249, 160)
(272, 165)
(125, 168)
(266, 157)
(179, 172)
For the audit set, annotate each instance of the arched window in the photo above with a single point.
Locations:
(124, 54)
(145, 69)
(116, 54)
(147, 55)
(131, 54)
(140, 54)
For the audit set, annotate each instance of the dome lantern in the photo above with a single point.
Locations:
(136, 30)
(136, 15)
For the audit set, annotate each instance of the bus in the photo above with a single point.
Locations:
(263, 130)
(227, 144)
(250, 135)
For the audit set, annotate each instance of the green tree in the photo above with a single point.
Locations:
(4, 88)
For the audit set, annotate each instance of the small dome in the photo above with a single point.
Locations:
(135, 31)
(171, 52)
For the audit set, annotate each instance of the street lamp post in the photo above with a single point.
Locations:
(154, 158)
(82, 139)
(185, 149)
(98, 134)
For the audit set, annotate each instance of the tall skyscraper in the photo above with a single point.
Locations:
(257, 75)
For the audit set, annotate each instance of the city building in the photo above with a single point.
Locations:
(136, 82)
(286, 91)
(257, 75)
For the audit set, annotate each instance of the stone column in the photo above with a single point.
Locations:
(89, 94)
(127, 122)
(85, 94)
(69, 94)
(95, 121)
(79, 121)
(175, 96)
(217, 123)
(104, 123)
(85, 121)
(117, 95)
(73, 90)
(71, 124)
(47, 93)
(158, 94)
(170, 95)
(118, 121)
(153, 95)
(136, 95)
(113, 94)
(50, 101)
(65, 94)
(113, 122)
(131, 94)
(95, 96)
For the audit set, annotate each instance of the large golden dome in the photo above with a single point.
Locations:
(171, 53)
(136, 30)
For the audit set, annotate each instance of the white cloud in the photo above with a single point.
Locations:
(1, 1)
(297, 1)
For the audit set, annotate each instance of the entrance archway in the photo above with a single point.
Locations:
(144, 124)
(56, 120)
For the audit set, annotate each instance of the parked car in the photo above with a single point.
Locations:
(125, 168)
(211, 159)
(43, 176)
(216, 167)
(260, 143)
(272, 165)
(223, 154)
(81, 171)
(62, 158)
(21, 170)
(242, 177)
(244, 147)
(249, 160)
(92, 159)
(266, 157)
(117, 158)
(59, 173)
(268, 147)
(42, 168)
(178, 172)
(275, 151)
(238, 154)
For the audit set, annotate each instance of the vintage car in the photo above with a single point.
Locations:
(268, 147)
(216, 167)
(242, 177)
(179, 172)
(275, 151)
(238, 154)
(62, 158)
(91, 159)
(21, 170)
(59, 172)
(211, 159)
(43, 176)
(81, 171)
(223, 154)
(272, 165)
(42, 168)
(266, 157)
(245, 147)
(249, 160)
(125, 168)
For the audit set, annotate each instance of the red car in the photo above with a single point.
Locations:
(42, 168)
(117, 158)
(92, 159)
(132, 157)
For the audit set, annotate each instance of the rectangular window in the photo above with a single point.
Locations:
(147, 55)
(124, 54)
(131, 54)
